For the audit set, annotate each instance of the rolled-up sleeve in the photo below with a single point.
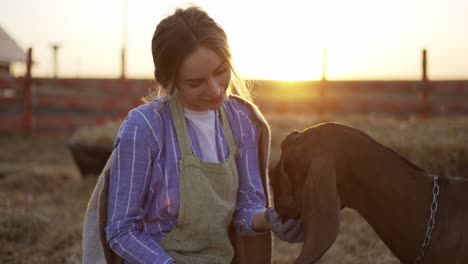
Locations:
(134, 150)
(251, 196)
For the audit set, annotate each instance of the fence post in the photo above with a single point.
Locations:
(55, 48)
(122, 64)
(27, 95)
(424, 86)
(323, 81)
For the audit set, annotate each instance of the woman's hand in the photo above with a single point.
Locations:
(291, 231)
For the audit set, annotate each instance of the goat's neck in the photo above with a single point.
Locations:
(391, 195)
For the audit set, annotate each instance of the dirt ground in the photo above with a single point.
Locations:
(42, 201)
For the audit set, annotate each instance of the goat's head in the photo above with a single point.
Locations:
(304, 186)
(288, 178)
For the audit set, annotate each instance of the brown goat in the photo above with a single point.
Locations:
(331, 166)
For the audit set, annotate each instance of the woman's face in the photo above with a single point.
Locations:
(203, 79)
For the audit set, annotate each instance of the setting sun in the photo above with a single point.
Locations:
(286, 43)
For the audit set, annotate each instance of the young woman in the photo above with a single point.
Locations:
(189, 164)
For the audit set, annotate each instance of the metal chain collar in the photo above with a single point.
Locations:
(431, 222)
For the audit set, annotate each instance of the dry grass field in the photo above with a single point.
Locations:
(43, 196)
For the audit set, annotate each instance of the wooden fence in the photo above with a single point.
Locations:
(61, 105)
(391, 97)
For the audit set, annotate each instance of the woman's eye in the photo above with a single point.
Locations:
(222, 70)
(194, 85)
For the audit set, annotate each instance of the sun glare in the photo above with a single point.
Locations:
(276, 40)
(278, 44)
(287, 42)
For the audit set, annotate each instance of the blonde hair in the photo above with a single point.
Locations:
(182, 33)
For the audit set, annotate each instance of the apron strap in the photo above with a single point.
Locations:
(228, 132)
(180, 124)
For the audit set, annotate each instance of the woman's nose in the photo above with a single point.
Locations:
(215, 89)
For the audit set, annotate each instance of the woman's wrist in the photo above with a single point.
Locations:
(260, 223)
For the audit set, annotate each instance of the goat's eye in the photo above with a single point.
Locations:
(285, 171)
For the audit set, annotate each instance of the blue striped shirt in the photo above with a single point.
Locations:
(144, 189)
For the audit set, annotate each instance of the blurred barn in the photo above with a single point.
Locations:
(10, 52)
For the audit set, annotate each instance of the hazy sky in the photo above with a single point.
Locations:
(365, 39)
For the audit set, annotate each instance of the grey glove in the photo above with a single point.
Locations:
(291, 231)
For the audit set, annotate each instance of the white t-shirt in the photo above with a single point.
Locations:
(204, 124)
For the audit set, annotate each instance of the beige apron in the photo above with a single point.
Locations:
(207, 193)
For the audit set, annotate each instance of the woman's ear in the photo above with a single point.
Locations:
(321, 207)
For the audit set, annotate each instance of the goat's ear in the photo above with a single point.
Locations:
(321, 207)
(290, 138)
(293, 135)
